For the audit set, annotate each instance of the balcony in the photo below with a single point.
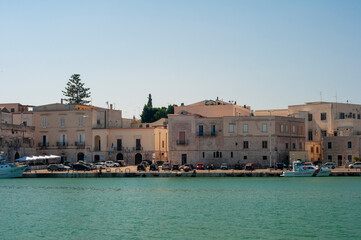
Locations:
(182, 142)
(61, 144)
(138, 148)
(118, 149)
(207, 134)
(80, 144)
(43, 144)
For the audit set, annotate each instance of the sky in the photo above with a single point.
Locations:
(261, 53)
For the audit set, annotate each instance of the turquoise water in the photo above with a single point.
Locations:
(181, 208)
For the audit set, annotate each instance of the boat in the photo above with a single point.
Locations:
(9, 170)
(306, 170)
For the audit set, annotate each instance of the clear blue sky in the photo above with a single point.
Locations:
(266, 54)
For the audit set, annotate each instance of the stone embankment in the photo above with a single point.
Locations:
(131, 172)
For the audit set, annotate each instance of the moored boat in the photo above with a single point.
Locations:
(309, 170)
(8, 170)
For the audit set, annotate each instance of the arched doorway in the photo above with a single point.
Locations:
(17, 155)
(138, 158)
(80, 156)
(97, 143)
(120, 156)
(96, 158)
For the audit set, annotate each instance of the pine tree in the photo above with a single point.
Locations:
(75, 91)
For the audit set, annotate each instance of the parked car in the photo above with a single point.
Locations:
(58, 167)
(141, 167)
(145, 163)
(329, 165)
(154, 167)
(224, 166)
(112, 164)
(238, 166)
(121, 163)
(249, 166)
(99, 165)
(278, 166)
(355, 165)
(160, 163)
(187, 167)
(175, 167)
(81, 167)
(166, 166)
(200, 166)
(148, 161)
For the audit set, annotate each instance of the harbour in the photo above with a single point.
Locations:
(180, 208)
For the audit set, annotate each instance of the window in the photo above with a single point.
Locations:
(264, 127)
(245, 128)
(281, 128)
(62, 122)
(163, 144)
(245, 157)
(138, 145)
(245, 144)
(231, 154)
(231, 128)
(310, 137)
(349, 144)
(217, 154)
(98, 117)
(213, 130)
(311, 149)
(264, 144)
(349, 158)
(317, 150)
(342, 115)
(12, 110)
(264, 157)
(329, 157)
(323, 133)
(119, 144)
(309, 117)
(203, 154)
(286, 145)
(63, 140)
(300, 146)
(358, 116)
(323, 116)
(44, 122)
(294, 146)
(293, 129)
(286, 128)
(25, 123)
(200, 130)
(80, 121)
(329, 145)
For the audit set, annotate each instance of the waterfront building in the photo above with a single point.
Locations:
(131, 144)
(213, 108)
(332, 130)
(261, 140)
(16, 141)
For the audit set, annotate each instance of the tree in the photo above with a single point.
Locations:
(151, 114)
(75, 91)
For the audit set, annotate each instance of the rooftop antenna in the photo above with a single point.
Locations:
(107, 103)
(321, 96)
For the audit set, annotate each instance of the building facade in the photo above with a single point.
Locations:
(231, 139)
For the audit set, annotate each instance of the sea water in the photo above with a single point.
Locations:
(181, 208)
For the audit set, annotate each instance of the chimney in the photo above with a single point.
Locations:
(111, 106)
(61, 101)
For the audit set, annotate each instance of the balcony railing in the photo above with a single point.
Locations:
(182, 142)
(138, 148)
(61, 144)
(79, 144)
(207, 134)
(118, 149)
(43, 144)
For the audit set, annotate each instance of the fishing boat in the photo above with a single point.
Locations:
(9, 170)
(301, 170)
